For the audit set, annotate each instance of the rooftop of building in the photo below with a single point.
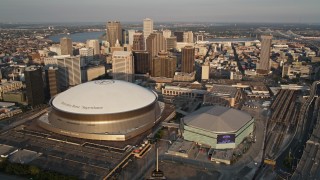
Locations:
(104, 97)
(217, 119)
(32, 68)
(223, 89)
(185, 85)
(121, 53)
(5, 83)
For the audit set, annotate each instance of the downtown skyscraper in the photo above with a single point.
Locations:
(156, 43)
(147, 28)
(138, 42)
(187, 59)
(114, 33)
(122, 66)
(34, 85)
(94, 44)
(66, 46)
(163, 65)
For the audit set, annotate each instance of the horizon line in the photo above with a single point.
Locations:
(157, 22)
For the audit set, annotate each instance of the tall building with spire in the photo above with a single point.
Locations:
(147, 28)
(263, 67)
(114, 32)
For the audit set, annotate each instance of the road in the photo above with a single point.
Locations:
(237, 59)
(23, 119)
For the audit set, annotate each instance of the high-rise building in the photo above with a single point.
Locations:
(147, 28)
(163, 65)
(156, 43)
(86, 56)
(94, 44)
(179, 35)
(166, 33)
(122, 66)
(131, 33)
(34, 85)
(138, 42)
(86, 51)
(264, 64)
(114, 32)
(124, 37)
(69, 72)
(95, 72)
(205, 71)
(66, 46)
(141, 62)
(188, 37)
(187, 59)
(52, 81)
(171, 43)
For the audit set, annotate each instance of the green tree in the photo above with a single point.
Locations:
(33, 170)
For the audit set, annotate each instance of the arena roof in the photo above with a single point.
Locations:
(103, 97)
(218, 119)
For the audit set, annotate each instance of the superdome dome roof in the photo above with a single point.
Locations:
(103, 97)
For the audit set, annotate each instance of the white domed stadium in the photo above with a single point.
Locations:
(103, 110)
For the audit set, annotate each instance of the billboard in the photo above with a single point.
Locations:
(226, 138)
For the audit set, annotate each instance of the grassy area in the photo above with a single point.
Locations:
(159, 134)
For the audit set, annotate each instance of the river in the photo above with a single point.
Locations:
(83, 37)
(78, 37)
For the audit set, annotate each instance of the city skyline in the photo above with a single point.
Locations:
(246, 11)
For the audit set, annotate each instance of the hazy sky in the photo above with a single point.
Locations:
(300, 11)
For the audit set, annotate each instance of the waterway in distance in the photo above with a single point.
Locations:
(83, 37)
(78, 37)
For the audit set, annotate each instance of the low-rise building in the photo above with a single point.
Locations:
(183, 92)
(217, 127)
(187, 77)
(297, 69)
(224, 95)
(9, 86)
(15, 96)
